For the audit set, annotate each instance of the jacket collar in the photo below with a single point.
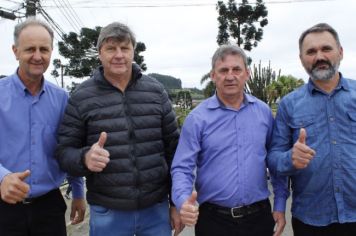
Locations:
(98, 75)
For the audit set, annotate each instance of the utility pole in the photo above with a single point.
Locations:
(31, 7)
(62, 80)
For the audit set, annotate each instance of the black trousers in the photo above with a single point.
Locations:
(44, 216)
(335, 229)
(212, 223)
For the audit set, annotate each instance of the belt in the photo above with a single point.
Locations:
(31, 200)
(238, 212)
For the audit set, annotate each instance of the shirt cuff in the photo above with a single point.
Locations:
(279, 204)
(285, 165)
(3, 173)
(77, 186)
(179, 201)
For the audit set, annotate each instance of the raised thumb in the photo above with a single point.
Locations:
(193, 198)
(302, 135)
(24, 175)
(102, 139)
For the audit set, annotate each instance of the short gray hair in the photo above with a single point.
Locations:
(228, 49)
(31, 21)
(319, 28)
(118, 31)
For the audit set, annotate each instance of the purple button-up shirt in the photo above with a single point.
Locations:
(28, 128)
(223, 150)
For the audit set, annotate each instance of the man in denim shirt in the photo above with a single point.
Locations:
(314, 140)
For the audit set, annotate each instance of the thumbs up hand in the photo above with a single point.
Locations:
(301, 153)
(13, 188)
(97, 157)
(189, 211)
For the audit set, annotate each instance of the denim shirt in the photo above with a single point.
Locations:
(325, 191)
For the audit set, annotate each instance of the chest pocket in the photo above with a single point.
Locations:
(306, 122)
(352, 117)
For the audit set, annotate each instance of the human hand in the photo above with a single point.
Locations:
(97, 157)
(13, 188)
(77, 211)
(280, 219)
(189, 211)
(301, 153)
(176, 222)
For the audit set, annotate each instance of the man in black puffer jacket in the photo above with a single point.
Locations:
(119, 130)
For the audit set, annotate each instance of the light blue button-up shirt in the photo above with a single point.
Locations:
(325, 191)
(227, 147)
(28, 126)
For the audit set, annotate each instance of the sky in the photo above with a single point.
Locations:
(180, 35)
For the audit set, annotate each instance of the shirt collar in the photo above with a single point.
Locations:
(21, 87)
(214, 101)
(343, 84)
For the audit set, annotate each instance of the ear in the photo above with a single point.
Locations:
(248, 73)
(99, 55)
(301, 59)
(212, 75)
(15, 50)
(341, 53)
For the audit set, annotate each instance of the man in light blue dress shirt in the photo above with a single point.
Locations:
(314, 140)
(31, 108)
(223, 148)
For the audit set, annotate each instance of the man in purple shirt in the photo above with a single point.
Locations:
(31, 108)
(224, 141)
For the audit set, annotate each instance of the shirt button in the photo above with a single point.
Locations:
(331, 119)
(333, 142)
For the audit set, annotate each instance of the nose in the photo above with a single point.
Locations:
(118, 53)
(37, 55)
(319, 55)
(230, 75)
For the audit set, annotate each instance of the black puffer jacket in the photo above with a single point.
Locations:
(142, 138)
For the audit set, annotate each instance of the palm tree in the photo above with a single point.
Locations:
(282, 86)
(210, 86)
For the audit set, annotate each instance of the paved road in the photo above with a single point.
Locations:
(82, 229)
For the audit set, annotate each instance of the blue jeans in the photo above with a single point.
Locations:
(151, 221)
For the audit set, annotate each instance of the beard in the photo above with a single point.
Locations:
(323, 74)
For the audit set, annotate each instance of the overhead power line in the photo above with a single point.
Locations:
(74, 14)
(12, 1)
(49, 19)
(65, 14)
(132, 4)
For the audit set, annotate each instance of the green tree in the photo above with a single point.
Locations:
(260, 79)
(241, 24)
(72, 87)
(139, 59)
(210, 86)
(169, 82)
(282, 86)
(184, 104)
(184, 99)
(82, 56)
